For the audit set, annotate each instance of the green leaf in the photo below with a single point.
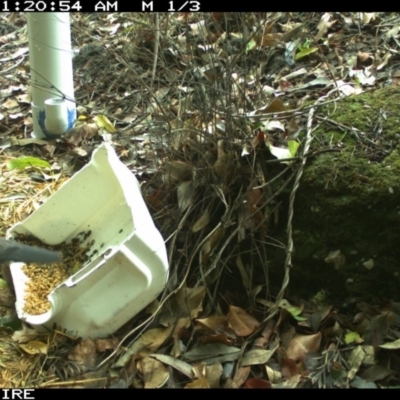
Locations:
(392, 345)
(103, 122)
(295, 314)
(303, 52)
(352, 337)
(251, 45)
(293, 147)
(257, 125)
(294, 311)
(3, 284)
(23, 162)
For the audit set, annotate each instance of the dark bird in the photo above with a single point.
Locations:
(10, 250)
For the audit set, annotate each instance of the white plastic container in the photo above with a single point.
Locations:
(130, 268)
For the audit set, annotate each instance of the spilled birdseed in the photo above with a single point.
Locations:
(44, 278)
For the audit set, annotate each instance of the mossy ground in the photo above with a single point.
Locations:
(349, 199)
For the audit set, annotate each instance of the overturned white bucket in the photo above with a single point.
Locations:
(130, 266)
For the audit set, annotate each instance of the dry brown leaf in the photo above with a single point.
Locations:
(243, 273)
(152, 339)
(292, 34)
(226, 337)
(28, 141)
(181, 366)
(355, 360)
(285, 85)
(215, 322)
(156, 199)
(292, 130)
(323, 26)
(289, 368)
(241, 375)
(9, 104)
(199, 370)
(209, 246)
(213, 374)
(146, 344)
(256, 383)
(201, 383)
(276, 105)
(180, 331)
(257, 356)
(217, 16)
(223, 167)
(187, 302)
(375, 373)
(362, 57)
(177, 171)
(213, 352)
(77, 135)
(301, 345)
(273, 375)
(85, 352)
(34, 347)
(263, 340)
(106, 344)
(289, 383)
(384, 61)
(242, 323)
(202, 222)
(271, 39)
(368, 17)
(155, 375)
(255, 199)
(185, 193)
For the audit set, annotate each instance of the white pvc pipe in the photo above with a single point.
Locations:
(52, 89)
(56, 111)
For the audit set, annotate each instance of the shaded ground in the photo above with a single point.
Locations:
(349, 200)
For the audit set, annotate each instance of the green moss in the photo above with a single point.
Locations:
(363, 110)
(349, 199)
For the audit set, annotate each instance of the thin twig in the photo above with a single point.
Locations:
(13, 67)
(156, 47)
(289, 249)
